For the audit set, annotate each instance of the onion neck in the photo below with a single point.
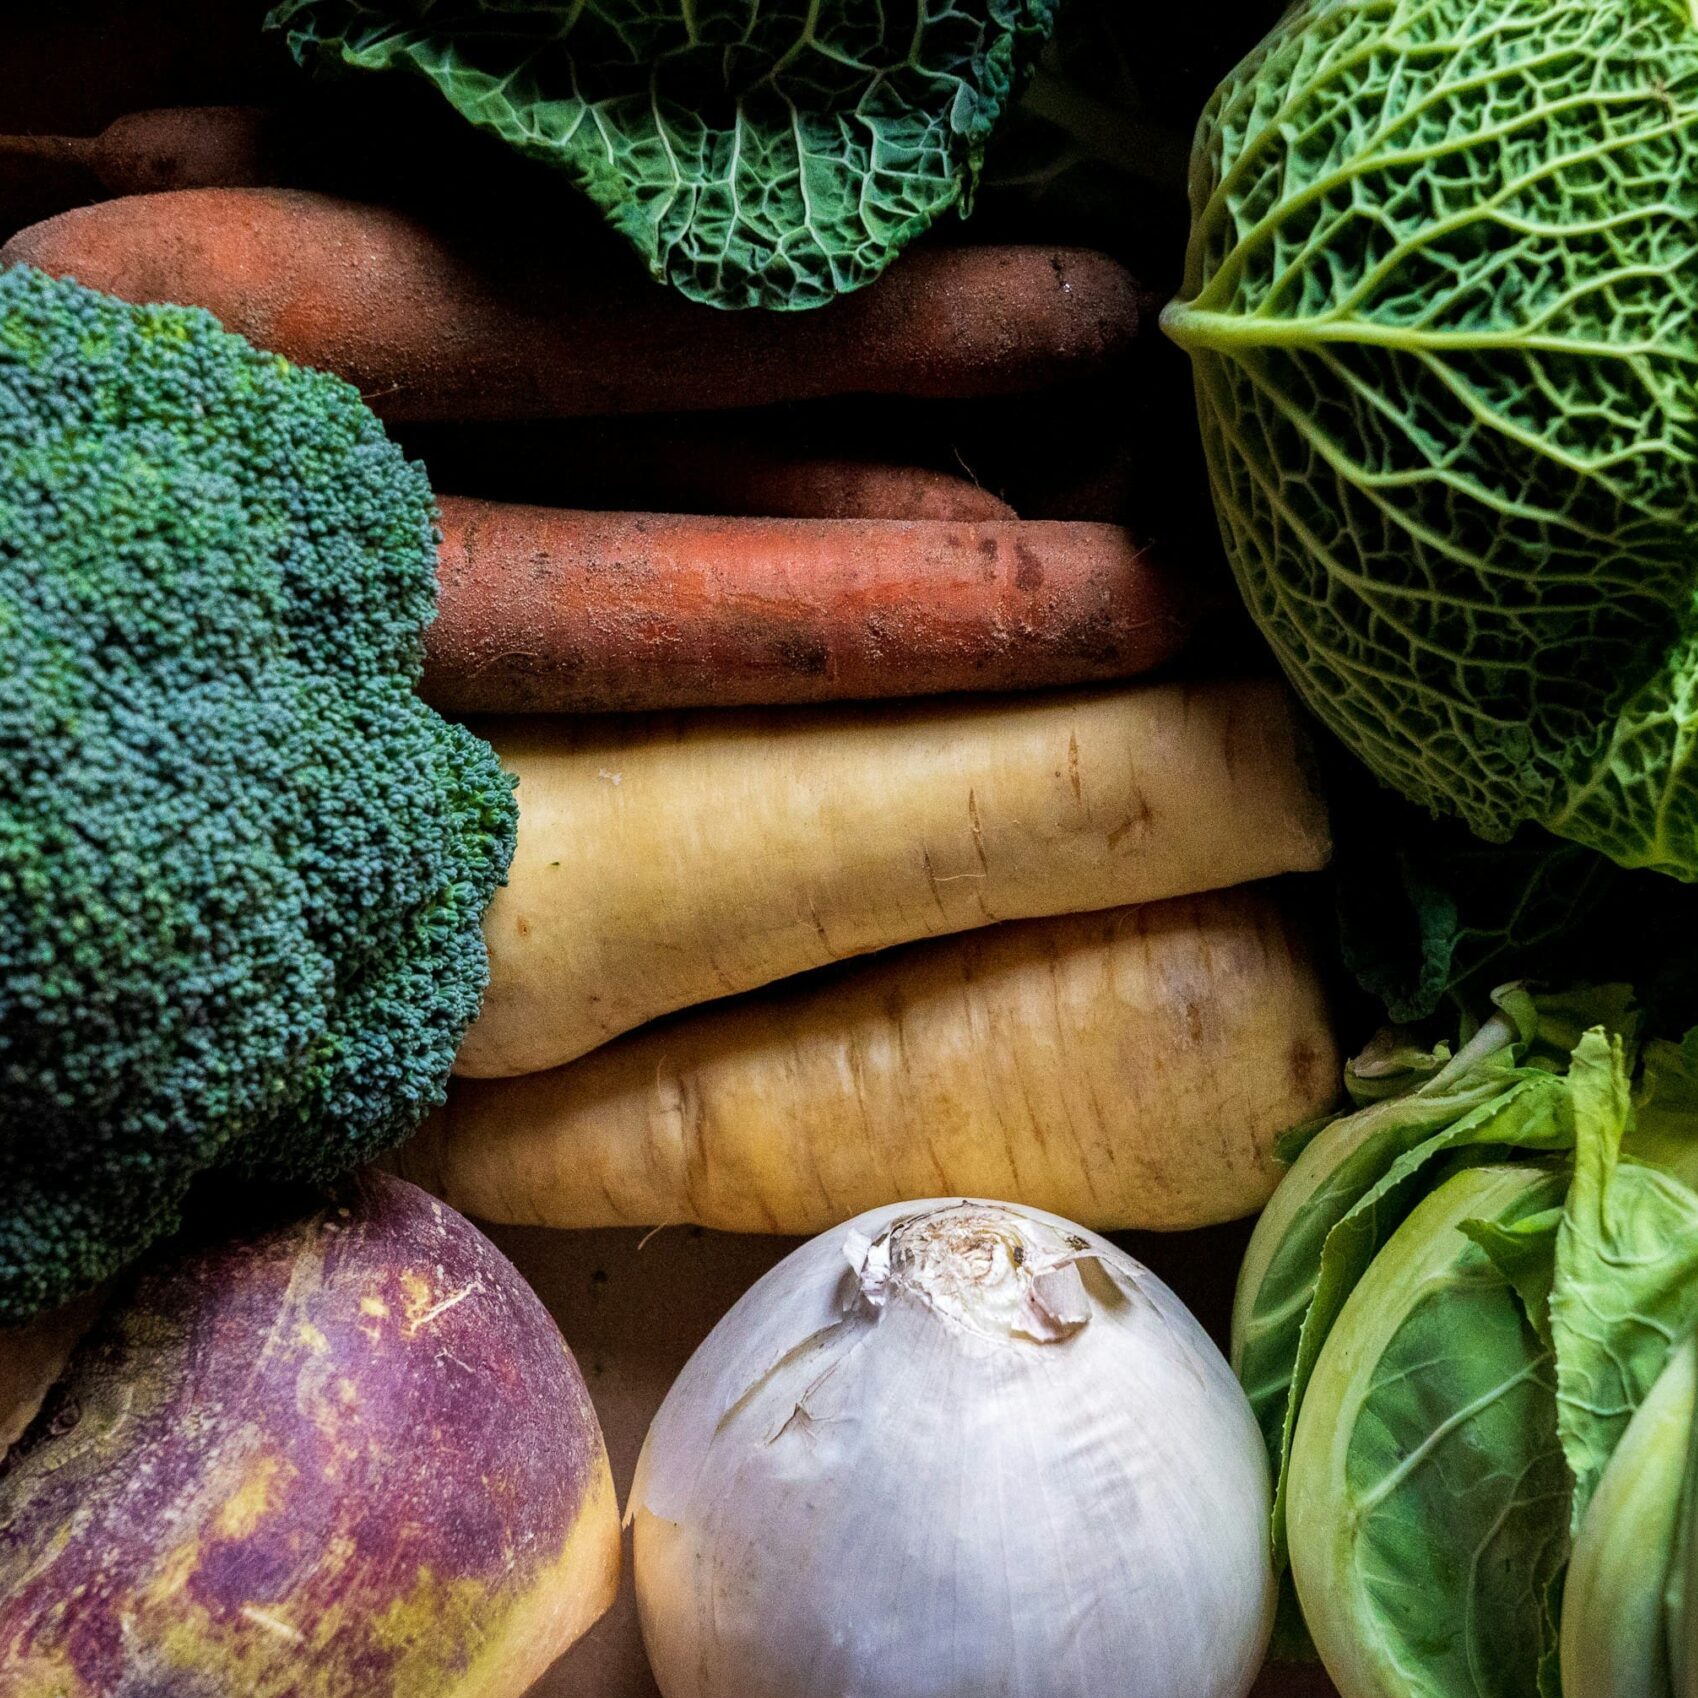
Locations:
(983, 1267)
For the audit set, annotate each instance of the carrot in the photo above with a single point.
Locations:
(430, 331)
(547, 611)
(718, 464)
(1129, 1068)
(664, 860)
(743, 474)
(731, 478)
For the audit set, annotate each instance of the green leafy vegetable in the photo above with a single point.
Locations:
(1615, 1642)
(243, 868)
(757, 153)
(1357, 1180)
(1427, 913)
(1464, 1368)
(1626, 1271)
(1429, 1500)
(1442, 308)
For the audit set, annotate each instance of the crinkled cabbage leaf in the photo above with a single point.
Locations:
(1442, 308)
(758, 153)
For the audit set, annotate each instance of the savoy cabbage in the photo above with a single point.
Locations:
(758, 153)
(1442, 309)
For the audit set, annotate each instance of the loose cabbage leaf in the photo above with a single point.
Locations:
(1615, 1640)
(757, 153)
(1524, 1252)
(1357, 1181)
(1665, 1108)
(1429, 1497)
(1442, 307)
(1626, 1271)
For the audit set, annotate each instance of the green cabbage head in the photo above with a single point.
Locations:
(1442, 309)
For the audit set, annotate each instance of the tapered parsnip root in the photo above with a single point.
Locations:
(1129, 1068)
(548, 611)
(430, 330)
(667, 860)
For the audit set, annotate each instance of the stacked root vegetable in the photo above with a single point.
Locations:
(879, 849)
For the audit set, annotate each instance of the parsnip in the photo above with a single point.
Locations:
(1128, 1068)
(667, 860)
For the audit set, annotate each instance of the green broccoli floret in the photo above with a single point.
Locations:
(242, 866)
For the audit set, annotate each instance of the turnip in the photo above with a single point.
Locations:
(346, 1455)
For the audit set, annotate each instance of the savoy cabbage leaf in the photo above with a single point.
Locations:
(1442, 308)
(757, 153)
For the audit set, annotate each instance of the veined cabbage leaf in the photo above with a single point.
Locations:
(1442, 308)
(757, 153)
(1429, 1498)
(1503, 1092)
(1493, 1369)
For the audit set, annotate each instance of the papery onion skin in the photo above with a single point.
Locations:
(955, 1450)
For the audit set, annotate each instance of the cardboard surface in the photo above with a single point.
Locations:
(634, 1306)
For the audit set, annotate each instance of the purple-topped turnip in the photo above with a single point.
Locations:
(345, 1457)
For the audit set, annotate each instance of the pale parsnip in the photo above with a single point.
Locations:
(1128, 1068)
(667, 860)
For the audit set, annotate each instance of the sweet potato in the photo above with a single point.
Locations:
(170, 147)
(829, 461)
(428, 330)
(1130, 1068)
(548, 611)
(666, 860)
(167, 147)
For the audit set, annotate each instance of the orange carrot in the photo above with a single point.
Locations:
(738, 475)
(771, 466)
(547, 611)
(432, 331)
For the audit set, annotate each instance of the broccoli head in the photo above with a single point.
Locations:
(242, 867)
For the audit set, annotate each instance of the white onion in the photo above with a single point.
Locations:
(955, 1450)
